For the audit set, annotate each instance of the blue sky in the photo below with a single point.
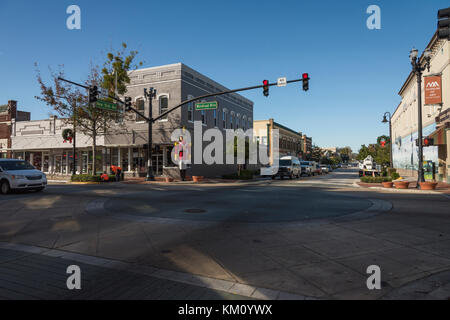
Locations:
(355, 72)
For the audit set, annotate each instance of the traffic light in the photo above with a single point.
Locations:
(266, 88)
(127, 103)
(428, 142)
(93, 93)
(305, 78)
(444, 24)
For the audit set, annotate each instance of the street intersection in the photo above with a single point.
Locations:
(308, 238)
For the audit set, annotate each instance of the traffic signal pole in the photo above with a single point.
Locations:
(150, 120)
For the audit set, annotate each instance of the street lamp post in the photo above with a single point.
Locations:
(417, 69)
(150, 94)
(390, 137)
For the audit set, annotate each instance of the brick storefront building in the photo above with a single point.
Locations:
(9, 112)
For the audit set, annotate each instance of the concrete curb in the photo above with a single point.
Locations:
(196, 280)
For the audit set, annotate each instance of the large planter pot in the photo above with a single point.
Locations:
(387, 184)
(428, 185)
(197, 178)
(401, 184)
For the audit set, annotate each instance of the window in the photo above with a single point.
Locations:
(190, 108)
(224, 119)
(215, 118)
(163, 105)
(140, 106)
(203, 116)
(231, 121)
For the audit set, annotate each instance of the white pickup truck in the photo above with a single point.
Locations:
(368, 167)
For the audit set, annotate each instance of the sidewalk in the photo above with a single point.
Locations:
(31, 276)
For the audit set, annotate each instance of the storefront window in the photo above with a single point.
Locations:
(124, 156)
(46, 162)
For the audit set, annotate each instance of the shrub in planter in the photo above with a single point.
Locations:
(368, 179)
(85, 178)
(244, 175)
(395, 175)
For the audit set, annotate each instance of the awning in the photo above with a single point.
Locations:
(439, 135)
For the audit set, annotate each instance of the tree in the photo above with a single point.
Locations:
(345, 153)
(115, 70)
(381, 155)
(316, 154)
(71, 102)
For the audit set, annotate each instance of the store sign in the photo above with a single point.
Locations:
(433, 90)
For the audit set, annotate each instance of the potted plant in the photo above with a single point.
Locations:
(428, 185)
(401, 184)
(387, 183)
(197, 178)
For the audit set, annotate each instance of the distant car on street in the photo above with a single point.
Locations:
(289, 166)
(306, 168)
(18, 174)
(316, 168)
(324, 168)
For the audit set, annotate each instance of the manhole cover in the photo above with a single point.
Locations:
(194, 210)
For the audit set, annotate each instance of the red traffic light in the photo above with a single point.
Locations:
(266, 88)
(305, 76)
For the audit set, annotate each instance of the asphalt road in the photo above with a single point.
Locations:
(266, 239)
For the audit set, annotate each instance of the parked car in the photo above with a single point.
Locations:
(324, 168)
(306, 168)
(18, 174)
(315, 168)
(289, 166)
(330, 168)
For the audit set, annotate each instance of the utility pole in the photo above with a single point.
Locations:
(150, 94)
(390, 136)
(418, 69)
(74, 169)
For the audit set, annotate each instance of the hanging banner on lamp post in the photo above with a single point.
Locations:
(433, 90)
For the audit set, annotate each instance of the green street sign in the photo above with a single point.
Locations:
(106, 105)
(206, 105)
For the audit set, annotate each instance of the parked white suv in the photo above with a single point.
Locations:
(288, 166)
(20, 175)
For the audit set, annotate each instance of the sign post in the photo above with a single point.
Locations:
(281, 82)
(433, 91)
(206, 105)
(106, 105)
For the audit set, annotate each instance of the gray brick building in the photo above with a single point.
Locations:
(127, 146)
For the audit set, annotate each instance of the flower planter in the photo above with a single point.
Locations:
(401, 184)
(387, 184)
(197, 178)
(427, 185)
(168, 179)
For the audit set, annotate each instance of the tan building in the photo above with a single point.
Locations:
(9, 114)
(435, 116)
(290, 141)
